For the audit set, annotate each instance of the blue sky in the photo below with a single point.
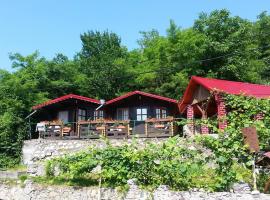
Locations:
(52, 26)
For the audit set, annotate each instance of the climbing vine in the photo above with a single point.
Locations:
(229, 146)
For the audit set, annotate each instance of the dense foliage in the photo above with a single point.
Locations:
(229, 147)
(177, 163)
(217, 45)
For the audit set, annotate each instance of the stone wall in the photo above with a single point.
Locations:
(38, 150)
(11, 174)
(40, 192)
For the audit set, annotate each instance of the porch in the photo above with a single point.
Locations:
(94, 129)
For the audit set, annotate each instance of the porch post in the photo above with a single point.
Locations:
(204, 127)
(222, 123)
(190, 117)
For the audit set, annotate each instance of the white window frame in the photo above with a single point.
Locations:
(141, 114)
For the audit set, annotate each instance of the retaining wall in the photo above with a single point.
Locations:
(41, 192)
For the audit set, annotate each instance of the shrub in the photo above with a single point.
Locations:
(175, 162)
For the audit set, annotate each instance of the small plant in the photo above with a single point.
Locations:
(23, 177)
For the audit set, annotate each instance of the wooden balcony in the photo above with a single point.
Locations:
(94, 129)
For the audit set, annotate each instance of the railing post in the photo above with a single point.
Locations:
(62, 130)
(146, 127)
(172, 128)
(128, 131)
(78, 130)
(105, 129)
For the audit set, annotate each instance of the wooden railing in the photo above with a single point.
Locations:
(113, 128)
(107, 128)
(50, 129)
(160, 127)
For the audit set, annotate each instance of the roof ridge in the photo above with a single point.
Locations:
(128, 94)
(215, 79)
(65, 97)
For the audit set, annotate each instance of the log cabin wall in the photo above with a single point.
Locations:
(50, 113)
(139, 101)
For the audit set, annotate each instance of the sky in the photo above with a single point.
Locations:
(54, 26)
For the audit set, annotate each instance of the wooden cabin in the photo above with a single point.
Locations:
(203, 99)
(64, 113)
(135, 113)
(149, 114)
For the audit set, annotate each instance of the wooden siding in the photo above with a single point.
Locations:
(138, 101)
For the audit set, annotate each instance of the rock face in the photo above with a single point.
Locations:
(241, 188)
(39, 192)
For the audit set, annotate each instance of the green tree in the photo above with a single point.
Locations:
(262, 28)
(102, 61)
(231, 40)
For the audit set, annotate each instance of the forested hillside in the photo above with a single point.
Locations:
(217, 45)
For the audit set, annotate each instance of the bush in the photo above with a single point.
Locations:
(7, 161)
(175, 163)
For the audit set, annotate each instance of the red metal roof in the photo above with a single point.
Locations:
(143, 94)
(229, 87)
(69, 96)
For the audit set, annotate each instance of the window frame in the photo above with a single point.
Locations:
(124, 113)
(80, 116)
(141, 114)
(162, 113)
(67, 116)
(98, 114)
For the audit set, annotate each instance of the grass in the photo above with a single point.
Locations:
(9, 181)
(60, 180)
(18, 167)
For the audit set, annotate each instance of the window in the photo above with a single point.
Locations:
(81, 114)
(122, 114)
(98, 114)
(161, 113)
(141, 114)
(63, 116)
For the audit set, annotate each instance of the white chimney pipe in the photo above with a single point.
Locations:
(102, 101)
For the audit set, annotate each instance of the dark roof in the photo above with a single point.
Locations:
(224, 86)
(143, 94)
(63, 98)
